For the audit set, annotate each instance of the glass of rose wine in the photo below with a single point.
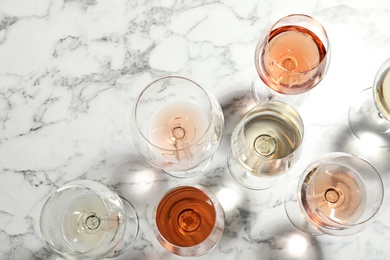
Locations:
(369, 114)
(189, 220)
(86, 220)
(265, 144)
(337, 194)
(291, 59)
(177, 126)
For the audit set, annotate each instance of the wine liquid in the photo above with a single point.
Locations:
(176, 125)
(382, 94)
(272, 135)
(337, 193)
(82, 222)
(185, 216)
(289, 58)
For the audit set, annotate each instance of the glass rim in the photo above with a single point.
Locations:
(216, 205)
(382, 72)
(272, 27)
(85, 184)
(338, 155)
(193, 142)
(298, 117)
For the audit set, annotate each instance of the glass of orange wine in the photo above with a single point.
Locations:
(291, 59)
(177, 126)
(369, 114)
(337, 194)
(189, 220)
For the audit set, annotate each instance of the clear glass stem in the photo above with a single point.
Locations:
(262, 92)
(366, 122)
(294, 214)
(247, 179)
(132, 228)
(191, 172)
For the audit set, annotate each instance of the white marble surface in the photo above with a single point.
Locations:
(71, 69)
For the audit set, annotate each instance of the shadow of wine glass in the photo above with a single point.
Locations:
(44, 253)
(234, 106)
(135, 179)
(140, 183)
(244, 231)
(346, 141)
(290, 243)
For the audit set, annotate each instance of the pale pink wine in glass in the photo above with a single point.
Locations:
(338, 194)
(176, 125)
(291, 60)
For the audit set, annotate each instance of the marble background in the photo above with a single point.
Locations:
(70, 71)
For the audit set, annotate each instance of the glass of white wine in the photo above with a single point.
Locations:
(265, 144)
(369, 114)
(177, 126)
(86, 220)
(337, 194)
(189, 220)
(291, 58)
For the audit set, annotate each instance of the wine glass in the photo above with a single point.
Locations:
(337, 194)
(177, 126)
(264, 144)
(86, 220)
(369, 114)
(189, 220)
(291, 59)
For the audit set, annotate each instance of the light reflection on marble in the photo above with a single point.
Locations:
(70, 71)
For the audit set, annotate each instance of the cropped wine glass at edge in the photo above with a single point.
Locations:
(265, 144)
(86, 220)
(189, 220)
(177, 126)
(369, 114)
(337, 194)
(292, 58)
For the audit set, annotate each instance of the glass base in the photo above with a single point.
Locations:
(132, 228)
(248, 179)
(262, 93)
(366, 122)
(293, 212)
(191, 172)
